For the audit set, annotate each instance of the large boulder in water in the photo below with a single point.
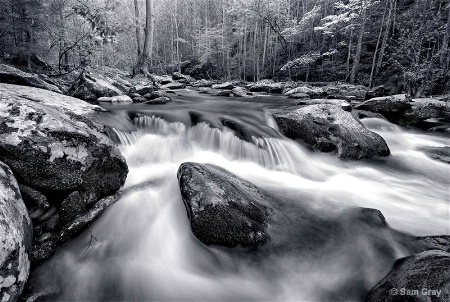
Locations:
(224, 209)
(392, 107)
(420, 277)
(92, 85)
(11, 75)
(223, 86)
(328, 128)
(53, 145)
(15, 238)
(428, 112)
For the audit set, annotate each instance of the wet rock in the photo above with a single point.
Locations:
(328, 128)
(438, 153)
(15, 238)
(156, 94)
(224, 209)
(392, 107)
(361, 114)
(223, 86)
(202, 83)
(421, 277)
(53, 144)
(115, 99)
(313, 92)
(159, 100)
(345, 91)
(92, 85)
(11, 75)
(242, 92)
(299, 96)
(426, 113)
(143, 89)
(179, 77)
(435, 242)
(268, 86)
(341, 103)
(33, 198)
(376, 92)
(226, 93)
(163, 80)
(173, 86)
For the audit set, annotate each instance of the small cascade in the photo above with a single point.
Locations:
(272, 153)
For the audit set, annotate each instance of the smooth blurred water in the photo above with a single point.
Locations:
(146, 251)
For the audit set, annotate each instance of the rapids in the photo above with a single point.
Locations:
(143, 248)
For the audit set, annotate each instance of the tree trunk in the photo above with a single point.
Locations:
(376, 48)
(138, 30)
(359, 45)
(146, 55)
(385, 37)
(444, 48)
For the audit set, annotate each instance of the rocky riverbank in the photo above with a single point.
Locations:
(59, 168)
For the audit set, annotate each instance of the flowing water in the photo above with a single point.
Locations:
(144, 249)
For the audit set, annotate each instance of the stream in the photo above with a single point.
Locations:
(143, 247)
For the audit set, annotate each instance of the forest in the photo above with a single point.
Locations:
(402, 44)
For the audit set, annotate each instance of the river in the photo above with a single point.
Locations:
(143, 247)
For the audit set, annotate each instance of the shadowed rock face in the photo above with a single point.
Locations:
(425, 275)
(54, 147)
(15, 238)
(328, 128)
(12, 75)
(224, 209)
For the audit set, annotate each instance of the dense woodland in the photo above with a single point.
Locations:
(401, 43)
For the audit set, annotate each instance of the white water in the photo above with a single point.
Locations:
(145, 250)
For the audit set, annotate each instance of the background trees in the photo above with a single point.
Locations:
(372, 42)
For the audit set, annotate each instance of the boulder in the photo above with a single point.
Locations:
(345, 91)
(242, 92)
(392, 107)
(420, 277)
(91, 85)
(268, 86)
(227, 93)
(376, 92)
(438, 153)
(342, 103)
(143, 89)
(16, 238)
(424, 109)
(179, 77)
(313, 92)
(115, 99)
(299, 96)
(202, 83)
(139, 99)
(54, 145)
(328, 128)
(158, 101)
(11, 75)
(174, 85)
(156, 94)
(223, 86)
(163, 80)
(224, 209)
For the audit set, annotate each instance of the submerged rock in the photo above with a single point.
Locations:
(438, 153)
(53, 145)
(159, 100)
(420, 277)
(328, 128)
(15, 238)
(11, 75)
(224, 209)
